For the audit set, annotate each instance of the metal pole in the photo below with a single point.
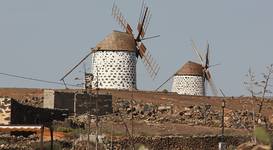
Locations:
(51, 137)
(222, 145)
(223, 122)
(96, 100)
(88, 138)
(42, 138)
(132, 122)
(112, 136)
(75, 102)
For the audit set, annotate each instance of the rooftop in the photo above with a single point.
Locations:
(190, 68)
(117, 40)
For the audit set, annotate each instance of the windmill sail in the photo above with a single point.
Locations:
(145, 15)
(121, 20)
(205, 64)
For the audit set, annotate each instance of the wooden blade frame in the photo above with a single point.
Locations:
(211, 83)
(143, 21)
(207, 56)
(150, 64)
(121, 20)
(198, 53)
(62, 79)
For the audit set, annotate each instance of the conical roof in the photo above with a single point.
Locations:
(117, 41)
(190, 68)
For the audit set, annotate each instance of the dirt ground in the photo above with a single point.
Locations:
(179, 102)
(141, 128)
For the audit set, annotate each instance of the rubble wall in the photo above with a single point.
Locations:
(5, 111)
(114, 69)
(181, 142)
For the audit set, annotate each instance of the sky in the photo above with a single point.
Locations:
(44, 39)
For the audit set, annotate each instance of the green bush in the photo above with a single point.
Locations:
(165, 91)
(262, 136)
(3, 142)
(64, 129)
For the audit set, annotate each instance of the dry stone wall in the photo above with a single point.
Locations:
(179, 142)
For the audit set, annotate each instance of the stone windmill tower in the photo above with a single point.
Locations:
(189, 80)
(114, 62)
(192, 77)
(114, 59)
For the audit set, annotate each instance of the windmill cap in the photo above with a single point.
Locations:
(190, 68)
(120, 41)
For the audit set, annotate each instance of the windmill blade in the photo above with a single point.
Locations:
(143, 23)
(207, 56)
(197, 52)
(214, 65)
(62, 79)
(151, 66)
(222, 92)
(211, 83)
(141, 11)
(165, 82)
(141, 50)
(121, 20)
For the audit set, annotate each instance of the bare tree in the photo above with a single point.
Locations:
(258, 89)
(265, 84)
(251, 86)
(251, 83)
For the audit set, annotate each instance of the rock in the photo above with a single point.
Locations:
(164, 108)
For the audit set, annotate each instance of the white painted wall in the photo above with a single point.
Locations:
(116, 69)
(49, 98)
(188, 85)
(5, 111)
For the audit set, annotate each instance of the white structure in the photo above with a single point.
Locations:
(5, 111)
(114, 62)
(189, 80)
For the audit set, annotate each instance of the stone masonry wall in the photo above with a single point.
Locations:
(188, 85)
(180, 142)
(115, 69)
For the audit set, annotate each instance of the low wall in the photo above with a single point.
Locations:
(180, 142)
(78, 103)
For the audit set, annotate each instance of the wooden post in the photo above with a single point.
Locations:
(51, 136)
(42, 138)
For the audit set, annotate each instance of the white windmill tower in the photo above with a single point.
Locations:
(114, 59)
(190, 79)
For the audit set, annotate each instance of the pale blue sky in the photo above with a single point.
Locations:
(44, 39)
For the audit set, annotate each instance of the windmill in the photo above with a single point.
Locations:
(114, 58)
(141, 50)
(192, 77)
